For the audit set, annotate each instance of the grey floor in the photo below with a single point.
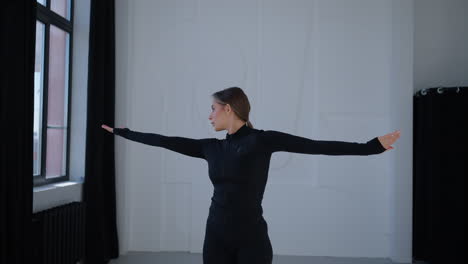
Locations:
(196, 258)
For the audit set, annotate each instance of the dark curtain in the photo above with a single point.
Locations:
(99, 186)
(439, 171)
(17, 45)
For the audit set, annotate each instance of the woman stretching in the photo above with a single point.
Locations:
(236, 231)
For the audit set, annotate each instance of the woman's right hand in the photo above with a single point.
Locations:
(110, 129)
(388, 139)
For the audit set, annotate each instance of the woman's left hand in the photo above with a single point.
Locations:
(388, 139)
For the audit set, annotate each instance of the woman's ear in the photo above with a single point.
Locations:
(227, 108)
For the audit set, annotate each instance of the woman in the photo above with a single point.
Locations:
(236, 231)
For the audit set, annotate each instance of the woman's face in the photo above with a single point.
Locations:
(217, 116)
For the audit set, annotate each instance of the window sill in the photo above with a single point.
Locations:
(56, 194)
(55, 185)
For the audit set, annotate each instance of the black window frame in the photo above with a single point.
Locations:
(48, 17)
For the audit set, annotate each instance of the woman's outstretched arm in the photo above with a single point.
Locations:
(281, 141)
(187, 146)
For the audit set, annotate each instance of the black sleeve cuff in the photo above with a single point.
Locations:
(121, 131)
(376, 145)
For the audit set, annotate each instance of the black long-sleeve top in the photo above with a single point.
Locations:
(238, 165)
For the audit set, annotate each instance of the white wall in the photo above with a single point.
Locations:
(440, 43)
(400, 100)
(320, 69)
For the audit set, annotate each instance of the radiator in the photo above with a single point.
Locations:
(59, 234)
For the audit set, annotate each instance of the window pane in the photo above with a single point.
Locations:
(57, 102)
(38, 88)
(61, 7)
(42, 2)
(56, 152)
(58, 78)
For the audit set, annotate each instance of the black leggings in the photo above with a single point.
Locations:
(231, 241)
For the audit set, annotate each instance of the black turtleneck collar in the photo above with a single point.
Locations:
(243, 130)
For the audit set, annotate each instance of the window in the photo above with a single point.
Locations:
(52, 79)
